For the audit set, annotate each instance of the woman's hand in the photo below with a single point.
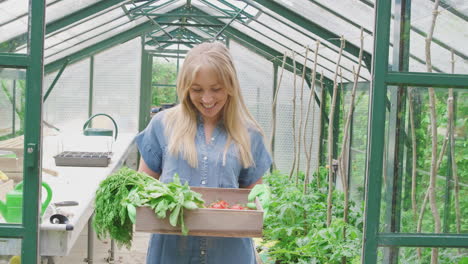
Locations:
(253, 184)
(144, 168)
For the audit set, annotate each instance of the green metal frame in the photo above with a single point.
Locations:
(91, 86)
(376, 140)
(396, 130)
(52, 85)
(28, 230)
(145, 87)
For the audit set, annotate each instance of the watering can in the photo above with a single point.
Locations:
(12, 210)
(100, 131)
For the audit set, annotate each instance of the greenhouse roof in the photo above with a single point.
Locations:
(78, 29)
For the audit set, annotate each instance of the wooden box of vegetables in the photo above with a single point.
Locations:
(224, 215)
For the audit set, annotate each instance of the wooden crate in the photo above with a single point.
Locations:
(208, 221)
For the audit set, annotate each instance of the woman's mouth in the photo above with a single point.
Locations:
(208, 106)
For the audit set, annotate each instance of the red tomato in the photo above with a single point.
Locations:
(219, 205)
(238, 207)
(223, 203)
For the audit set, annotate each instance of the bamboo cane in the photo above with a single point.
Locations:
(273, 111)
(294, 117)
(432, 104)
(308, 152)
(330, 136)
(301, 116)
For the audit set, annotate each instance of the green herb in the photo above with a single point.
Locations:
(111, 216)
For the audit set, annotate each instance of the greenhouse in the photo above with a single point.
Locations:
(234, 131)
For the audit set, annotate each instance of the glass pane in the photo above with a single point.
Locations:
(358, 132)
(10, 249)
(450, 33)
(116, 89)
(13, 25)
(257, 89)
(443, 166)
(66, 106)
(12, 110)
(164, 82)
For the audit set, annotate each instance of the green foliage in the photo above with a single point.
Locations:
(111, 216)
(120, 194)
(19, 101)
(164, 73)
(297, 227)
(16, 134)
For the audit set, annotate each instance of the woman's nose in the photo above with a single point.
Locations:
(206, 98)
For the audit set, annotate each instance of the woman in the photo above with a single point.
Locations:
(210, 139)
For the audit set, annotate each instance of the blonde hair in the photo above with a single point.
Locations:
(181, 121)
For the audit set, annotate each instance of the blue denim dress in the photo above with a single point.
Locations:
(173, 249)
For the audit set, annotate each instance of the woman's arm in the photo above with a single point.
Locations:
(144, 168)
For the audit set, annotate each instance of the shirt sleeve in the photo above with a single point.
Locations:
(262, 161)
(149, 143)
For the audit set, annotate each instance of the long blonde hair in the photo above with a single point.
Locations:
(181, 121)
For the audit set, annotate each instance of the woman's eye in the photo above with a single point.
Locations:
(196, 90)
(216, 89)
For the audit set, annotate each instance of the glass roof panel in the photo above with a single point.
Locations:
(327, 73)
(283, 38)
(323, 18)
(60, 8)
(100, 27)
(79, 31)
(63, 41)
(11, 10)
(286, 44)
(326, 55)
(13, 21)
(72, 46)
(297, 32)
(355, 11)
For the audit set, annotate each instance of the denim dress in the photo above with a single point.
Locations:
(211, 172)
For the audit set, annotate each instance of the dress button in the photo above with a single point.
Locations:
(203, 252)
(203, 182)
(212, 138)
(205, 158)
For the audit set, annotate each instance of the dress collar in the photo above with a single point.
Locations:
(201, 122)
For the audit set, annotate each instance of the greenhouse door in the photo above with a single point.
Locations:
(21, 74)
(391, 235)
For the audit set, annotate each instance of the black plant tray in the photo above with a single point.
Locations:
(83, 159)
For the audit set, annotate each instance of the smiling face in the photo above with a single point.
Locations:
(208, 94)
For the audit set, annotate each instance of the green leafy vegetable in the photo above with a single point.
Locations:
(120, 194)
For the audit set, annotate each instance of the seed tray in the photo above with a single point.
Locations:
(83, 159)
